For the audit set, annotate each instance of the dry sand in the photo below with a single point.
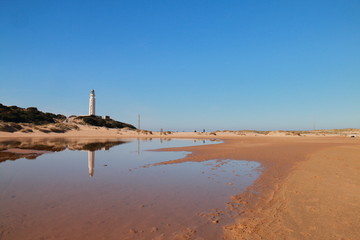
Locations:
(309, 188)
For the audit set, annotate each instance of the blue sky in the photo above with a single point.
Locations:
(186, 65)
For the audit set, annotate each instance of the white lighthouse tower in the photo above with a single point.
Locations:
(92, 103)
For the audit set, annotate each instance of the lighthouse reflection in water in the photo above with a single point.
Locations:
(149, 144)
(91, 161)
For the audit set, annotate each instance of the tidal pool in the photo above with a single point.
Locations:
(107, 189)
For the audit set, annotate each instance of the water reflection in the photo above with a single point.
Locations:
(91, 161)
(33, 148)
(49, 197)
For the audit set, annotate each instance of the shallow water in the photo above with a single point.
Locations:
(116, 193)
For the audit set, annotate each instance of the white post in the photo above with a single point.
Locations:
(92, 103)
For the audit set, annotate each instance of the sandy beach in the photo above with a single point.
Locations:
(309, 187)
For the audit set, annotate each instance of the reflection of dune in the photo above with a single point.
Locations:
(99, 145)
(14, 155)
(14, 149)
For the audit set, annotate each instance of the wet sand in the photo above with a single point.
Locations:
(309, 188)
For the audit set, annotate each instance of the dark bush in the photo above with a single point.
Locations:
(57, 130)
(44, 130)
(27, 130)
(10, 127)
(27, 115)
(100, 122)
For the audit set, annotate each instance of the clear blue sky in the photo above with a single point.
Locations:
(186, 65)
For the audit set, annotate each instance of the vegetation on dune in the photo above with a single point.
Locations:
(244, 132)
(13, 119)
(10, 127)
(32, 115)
(345, 131)
(100, 122)
(145, 132)
(336, 131)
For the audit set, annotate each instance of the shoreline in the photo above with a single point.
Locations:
(85, 131)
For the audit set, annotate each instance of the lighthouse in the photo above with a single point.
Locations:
(92, 103)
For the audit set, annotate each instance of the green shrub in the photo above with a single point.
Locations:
(27, 115)
(10, 127)
(44, 130)
(57, 130)
(100, 122)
